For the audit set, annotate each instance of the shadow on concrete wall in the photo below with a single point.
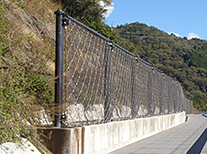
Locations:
(199, 144)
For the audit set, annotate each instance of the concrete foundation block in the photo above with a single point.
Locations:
(104, 138)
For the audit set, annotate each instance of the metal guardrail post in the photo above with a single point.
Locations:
(59, 68)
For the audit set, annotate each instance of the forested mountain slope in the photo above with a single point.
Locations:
(184, 60)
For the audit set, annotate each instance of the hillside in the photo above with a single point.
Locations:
(184, 60)
(27, 59)
(27, 55)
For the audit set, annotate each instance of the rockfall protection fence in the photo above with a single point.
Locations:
(98, 81)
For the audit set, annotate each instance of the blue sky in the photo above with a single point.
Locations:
(182, 17)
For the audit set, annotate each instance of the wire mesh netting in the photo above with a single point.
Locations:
(104, 82)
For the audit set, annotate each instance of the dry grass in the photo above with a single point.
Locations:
(26, 65)
(42, 9)
(196, 111)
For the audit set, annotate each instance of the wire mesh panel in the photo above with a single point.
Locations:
(104, 82)
(156, 91)
(84, 74)
(120, 83)
(143, 80)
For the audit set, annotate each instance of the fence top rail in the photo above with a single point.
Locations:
(106, 39)
(91, 30)
(99, 35)
(116, 45)
(80, 24)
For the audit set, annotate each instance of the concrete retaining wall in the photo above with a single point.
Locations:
(104, 138)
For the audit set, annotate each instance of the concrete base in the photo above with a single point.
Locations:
(104, 138)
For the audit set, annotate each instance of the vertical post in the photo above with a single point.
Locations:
(134, 61)
(59, 68)
(107, 88)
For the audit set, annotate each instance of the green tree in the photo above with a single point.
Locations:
(90, 13)
(182, 59)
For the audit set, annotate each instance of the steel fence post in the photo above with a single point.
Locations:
(59, 68)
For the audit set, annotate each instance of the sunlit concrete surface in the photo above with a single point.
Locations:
(104, 138)
(22, 147)
(189, 138)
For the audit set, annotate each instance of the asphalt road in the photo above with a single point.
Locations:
(187, 138)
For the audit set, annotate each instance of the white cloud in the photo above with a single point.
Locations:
(109, 8)
(193, 35)
(174, 34)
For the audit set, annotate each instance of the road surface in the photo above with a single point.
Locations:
(187, 138)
